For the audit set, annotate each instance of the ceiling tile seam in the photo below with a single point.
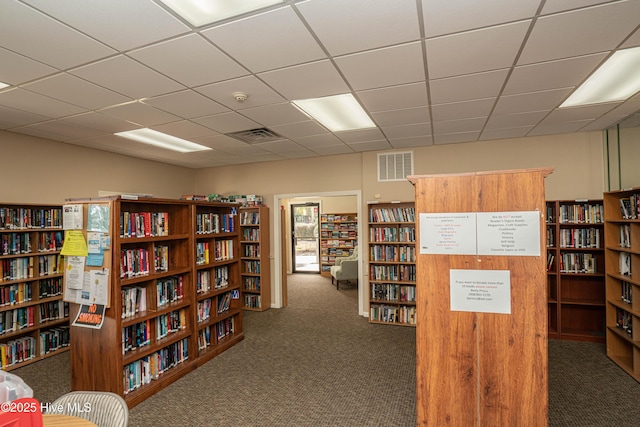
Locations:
(425, 63)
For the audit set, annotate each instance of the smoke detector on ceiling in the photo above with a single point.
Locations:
(240, 96)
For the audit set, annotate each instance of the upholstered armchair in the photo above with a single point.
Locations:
(345, 268)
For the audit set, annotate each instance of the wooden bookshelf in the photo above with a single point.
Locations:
(392, 267)
(151, 334)
(622, 263)
(575, 269)
(34, 320)
(338, 238)
(255, 258)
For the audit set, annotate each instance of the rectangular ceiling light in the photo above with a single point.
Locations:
(616, 80)
(336, 113)
(162, 140)
(3, 85)
(203, 12)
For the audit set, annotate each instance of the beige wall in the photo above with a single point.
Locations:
(36, 170)
(630, 157)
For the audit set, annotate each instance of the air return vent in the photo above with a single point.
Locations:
(395, 166)
(256, 136)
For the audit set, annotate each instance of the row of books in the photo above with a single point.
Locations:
(578, 263)
(252, 301)
(251, 251)
(630, 207)
(213, 223)
(222, 251)
(625, 236)
(392, 253)
(51, 241)
(136, 336)
(627, 292)
(251, 267)
(17, 351)
(151, 367)
(134, 263)
(144, 224)
(220, 280)
(53, 310)
(23, 268)
(393, 292)
(392, 234)
(26, 218)
(336, 252)
(16, 319)
(249, 218)
(338, 234)
(50, 264)
(222, 329)
(251, 283)
(338, 218)
(133, 300)
(169, 289)
(624, 263)
(15, 294)
(624, 320)
(396, 273)
(580, 238)
(337, 243)
(15, 243)
(398, 214)
(393, 314)
(251, 234)
(54, 339)
(204, 309)
(170, 323)
(582, 213)
(161, 258)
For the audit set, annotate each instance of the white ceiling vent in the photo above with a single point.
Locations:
(255, 136)
(395, 166)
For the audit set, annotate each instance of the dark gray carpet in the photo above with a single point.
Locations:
(317, 363)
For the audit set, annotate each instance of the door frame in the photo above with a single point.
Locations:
(276, 301)
(290, 233)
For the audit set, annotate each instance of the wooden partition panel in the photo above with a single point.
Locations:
(482, 368)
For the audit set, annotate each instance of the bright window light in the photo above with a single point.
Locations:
(3, 85)
(162, 140)
(337, 113)
(616, 80)
(202, 12)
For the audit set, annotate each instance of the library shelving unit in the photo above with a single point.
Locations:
(575, 269)
(150, 334)
(392, 267)
(255, 271)
(338, 237)
(218, 313)
(34, 320)
(622, 258)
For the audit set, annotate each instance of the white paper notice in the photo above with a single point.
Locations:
(72, 217)
(509, 233)
(483, 291)
(74, 273)
(448, 233)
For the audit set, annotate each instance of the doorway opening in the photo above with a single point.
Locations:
(305, 239)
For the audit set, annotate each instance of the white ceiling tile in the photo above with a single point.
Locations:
(59, 46)
(186, 104)
(395, 97)
(603, 122)
(361, 24)
(185, 129)
(462, 110)
(592, 30)
(552, 75)
(632, 41)
(383, 67)
(190, 60)
(126, 18)
(486, 49)
(579, 113)
(300, 129)
(267, 41)
(316, 141)
(281, 146)
(405, 116)
(444, 16)
(142, 114)
(519, 132)
(17, 69)
(128, 77)
(10, 117)
(21, 99)
(102, 122)
(74, 90)
(455, 138)
(370, 146)
(373, 134)
(298, 154)
(62, 130)
(275, 114)
(331, 150)
(312, 80)
(516, 120)
(554, 6)
(258, 93)
(227, 122)
(471, 86)
(407, 131)
(416, 141)
(458, 126)
(534, 101)
(558, 128)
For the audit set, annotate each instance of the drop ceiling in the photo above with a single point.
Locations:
(426, 71)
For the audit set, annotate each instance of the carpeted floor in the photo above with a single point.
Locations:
(317, 363)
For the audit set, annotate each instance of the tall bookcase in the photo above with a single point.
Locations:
(338, 237)
(154, 330)
(622, 258)
(255, 269)
(575, 269)
(33, 317)
(392, 263)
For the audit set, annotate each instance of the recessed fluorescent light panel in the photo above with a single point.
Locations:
(162, 140)
(616, 80)
(203, 12)
(336, 113)
(3, 85)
